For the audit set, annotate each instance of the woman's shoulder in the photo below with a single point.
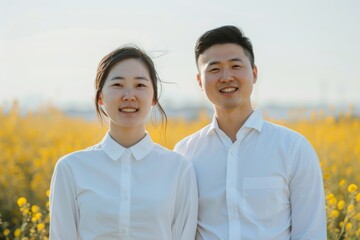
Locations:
(80, 155)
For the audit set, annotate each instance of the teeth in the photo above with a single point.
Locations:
(128, 109)
(227, 90)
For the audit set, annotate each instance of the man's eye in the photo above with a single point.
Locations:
(116, 85)
(214, 70)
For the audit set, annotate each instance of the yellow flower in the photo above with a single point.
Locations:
(350, 208)
(357, 216)
(357, 198)
(330, 196)
(341, 223)
(357, 233)
(327, 176)
(48, 193)
(40, 226)
(334, 214)
(37, 215)
(17, 232)
(352, 188)
(35, 208)
(342, 182)
(21, 201)
(33, 220)
(47, 205)
(332, 201)
(348, 227)
(341, 204)
(6, 232)
(25, 211)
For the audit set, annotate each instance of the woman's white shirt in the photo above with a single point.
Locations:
(110, 192)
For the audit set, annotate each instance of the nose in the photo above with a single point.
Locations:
(129, 95)
(226, 75)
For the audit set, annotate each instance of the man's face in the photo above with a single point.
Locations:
(226, 76)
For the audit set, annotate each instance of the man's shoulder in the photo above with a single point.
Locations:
(281, 130)
(192, 138)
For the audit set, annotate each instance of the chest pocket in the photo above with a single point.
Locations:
(264, 197)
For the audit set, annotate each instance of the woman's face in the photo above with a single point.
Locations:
(128, 94)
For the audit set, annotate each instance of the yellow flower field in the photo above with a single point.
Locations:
(30, 146)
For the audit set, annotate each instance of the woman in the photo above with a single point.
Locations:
(125, 187)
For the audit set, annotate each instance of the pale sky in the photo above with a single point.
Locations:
(307, 52)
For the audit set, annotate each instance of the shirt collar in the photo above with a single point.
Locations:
(142, 148)
(115, 150)
(213, 126)
(254, 121)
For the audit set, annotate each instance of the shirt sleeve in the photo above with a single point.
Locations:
(186, 208)
(307, 195)
(63, 207)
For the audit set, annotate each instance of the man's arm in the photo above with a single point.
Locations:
(307, 195)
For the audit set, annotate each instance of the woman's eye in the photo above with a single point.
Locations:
(141, 85)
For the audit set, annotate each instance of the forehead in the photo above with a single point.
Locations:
(129, 68)
(222, 53)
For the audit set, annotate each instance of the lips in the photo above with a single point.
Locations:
(228, 90)
(128, 109)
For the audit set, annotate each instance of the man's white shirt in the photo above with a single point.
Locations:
(266, 185)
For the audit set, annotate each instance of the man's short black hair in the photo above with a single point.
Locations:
(223, 35)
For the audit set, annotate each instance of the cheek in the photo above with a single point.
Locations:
(147, 97)
(111, 94)
(208, 83)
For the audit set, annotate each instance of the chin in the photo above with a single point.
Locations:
(127, 124)
(229, 105)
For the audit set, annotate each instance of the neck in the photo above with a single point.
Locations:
(230, 121)
(127, 137)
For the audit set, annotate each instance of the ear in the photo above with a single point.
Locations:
(255, 74)
(154, 102)
(100, 100)
(198, 78)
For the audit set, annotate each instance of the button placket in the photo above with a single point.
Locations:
(231, 193)
(125, 190)
(235, 224)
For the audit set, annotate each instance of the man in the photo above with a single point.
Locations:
(256, 180)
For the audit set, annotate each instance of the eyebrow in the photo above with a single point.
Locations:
(122, 78)
(231, 60)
